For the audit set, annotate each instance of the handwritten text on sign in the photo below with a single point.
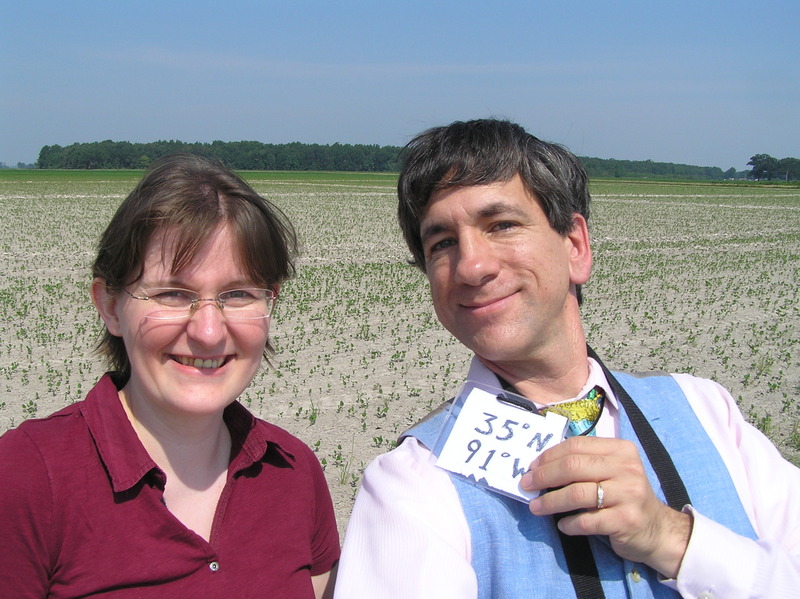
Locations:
(493, 442)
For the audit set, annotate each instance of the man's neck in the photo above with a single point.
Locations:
(546, 381)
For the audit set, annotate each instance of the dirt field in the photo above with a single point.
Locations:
(688, 278)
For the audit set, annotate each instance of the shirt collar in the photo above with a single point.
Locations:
(251, 438)
(480, 373)
(122, 453)
(125, 458)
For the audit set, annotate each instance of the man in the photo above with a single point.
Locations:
(673, 495)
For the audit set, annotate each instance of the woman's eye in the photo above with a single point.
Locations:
(170, 294)
(171, 297)
(237, 294)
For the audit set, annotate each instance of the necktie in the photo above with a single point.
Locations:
(582, 414)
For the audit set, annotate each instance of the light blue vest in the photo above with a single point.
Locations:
(518, 555)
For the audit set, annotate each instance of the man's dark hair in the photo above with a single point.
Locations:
(484, 151)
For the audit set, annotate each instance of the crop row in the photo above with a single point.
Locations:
(689, 278)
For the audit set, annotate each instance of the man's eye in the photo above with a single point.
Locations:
(504, 226)
(440, 245)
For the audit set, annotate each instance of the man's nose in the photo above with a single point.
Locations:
(476, 260)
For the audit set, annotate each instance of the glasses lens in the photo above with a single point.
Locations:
(236, 304)
(247, 303)
(168, 303)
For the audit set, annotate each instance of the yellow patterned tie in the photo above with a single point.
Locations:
(582, 414)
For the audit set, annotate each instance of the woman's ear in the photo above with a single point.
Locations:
(106, 304)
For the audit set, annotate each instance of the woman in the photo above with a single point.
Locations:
(160, 482)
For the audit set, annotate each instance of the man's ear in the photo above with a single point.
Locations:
(580, 250)
(106, 304)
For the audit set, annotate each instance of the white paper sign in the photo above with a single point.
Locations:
(493, 442)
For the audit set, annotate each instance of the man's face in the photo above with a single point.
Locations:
(501, 277)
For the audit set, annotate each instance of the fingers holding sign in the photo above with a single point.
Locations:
(605, 481)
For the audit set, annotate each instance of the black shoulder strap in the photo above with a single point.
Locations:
(582, 567)
(577, 551)
(674, 489)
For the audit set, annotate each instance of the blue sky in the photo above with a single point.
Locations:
(699, 82)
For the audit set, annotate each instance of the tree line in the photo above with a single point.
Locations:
(647, 169)
(296, 156)
(767, 167)
(241, 155)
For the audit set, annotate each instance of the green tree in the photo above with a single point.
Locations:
(789, 169)
(764, 167)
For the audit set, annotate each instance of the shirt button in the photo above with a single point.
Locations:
(635, 576)
(213, 566)
(706, 595)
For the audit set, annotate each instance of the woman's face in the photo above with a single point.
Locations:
(190, 366)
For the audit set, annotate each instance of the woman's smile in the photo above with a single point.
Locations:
(202, 363)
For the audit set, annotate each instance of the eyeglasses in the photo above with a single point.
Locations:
(170, 303)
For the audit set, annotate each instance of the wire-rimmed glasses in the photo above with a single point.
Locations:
(172, 303)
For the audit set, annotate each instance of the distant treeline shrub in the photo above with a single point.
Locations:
(296, 156)
(242, 155)
(647, 169)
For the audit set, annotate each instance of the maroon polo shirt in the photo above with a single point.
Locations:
(81, 512)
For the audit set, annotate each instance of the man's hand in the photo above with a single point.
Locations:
(641, 528)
